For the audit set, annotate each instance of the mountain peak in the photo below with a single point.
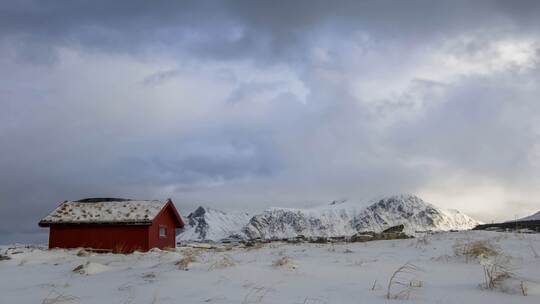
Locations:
(200, 211)
(412, 211)
(212, 224)
(401, 197)
(340, 218)
(400, 200)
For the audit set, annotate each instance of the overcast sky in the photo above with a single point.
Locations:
(251, 104)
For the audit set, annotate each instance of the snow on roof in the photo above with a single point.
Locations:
(104, 211)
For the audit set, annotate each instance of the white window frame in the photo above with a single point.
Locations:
(164, 229)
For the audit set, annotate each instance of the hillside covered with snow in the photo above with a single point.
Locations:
(414, 213)
(534, 217)
(211, 224)
(341, 218)
(347, 219)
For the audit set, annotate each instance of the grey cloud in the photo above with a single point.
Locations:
(246, 91)
(484, 126)
(184, 100)
(160, 77)
(239, 29)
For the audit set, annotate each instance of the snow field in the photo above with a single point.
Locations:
(275, 273)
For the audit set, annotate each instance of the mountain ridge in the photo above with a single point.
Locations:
(532, 217)
(339, 218)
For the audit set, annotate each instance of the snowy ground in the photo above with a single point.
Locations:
(275, 273)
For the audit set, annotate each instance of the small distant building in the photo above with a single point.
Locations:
(113, 224)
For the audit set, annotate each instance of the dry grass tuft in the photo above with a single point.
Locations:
(78, 269)
(256, 295)
(524, 289)
(253, 246)
(224, 262)
(495, 265)
(400, 284)
(284, 262)
(423, 241)
(308, 300)
(83, 253)
(189, 256)
(476, 249)
(120, 248)
(55, 297)
(534, 252)
(496, 270)
(184, 262)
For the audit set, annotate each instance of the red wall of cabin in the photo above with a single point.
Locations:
(164, 219)
(118, 238)
(124, 238)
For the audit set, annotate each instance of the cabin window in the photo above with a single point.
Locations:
(162, 231)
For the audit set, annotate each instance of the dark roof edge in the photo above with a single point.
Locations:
(110, 223)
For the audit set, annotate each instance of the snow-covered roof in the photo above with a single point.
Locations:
(105, 211)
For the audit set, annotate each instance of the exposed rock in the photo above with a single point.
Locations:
(207, 224)
(406, 212)
(394, 229)
(4, 257)
(397, 214)
(362, 237)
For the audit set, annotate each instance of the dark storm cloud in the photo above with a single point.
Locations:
(252, 103)
(240, 29)
(160, 77)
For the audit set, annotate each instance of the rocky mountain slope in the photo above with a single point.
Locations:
(413, 212)
(337, 219)
(534, 217)
(211, 224)
(333, 220)
(346, 219)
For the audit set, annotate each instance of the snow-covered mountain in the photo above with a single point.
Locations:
(211, 224)
(331, 220)
(534, 217)
(346, 219)
(413, 212)
(340, 218)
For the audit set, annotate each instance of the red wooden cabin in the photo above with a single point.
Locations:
(112, 224)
